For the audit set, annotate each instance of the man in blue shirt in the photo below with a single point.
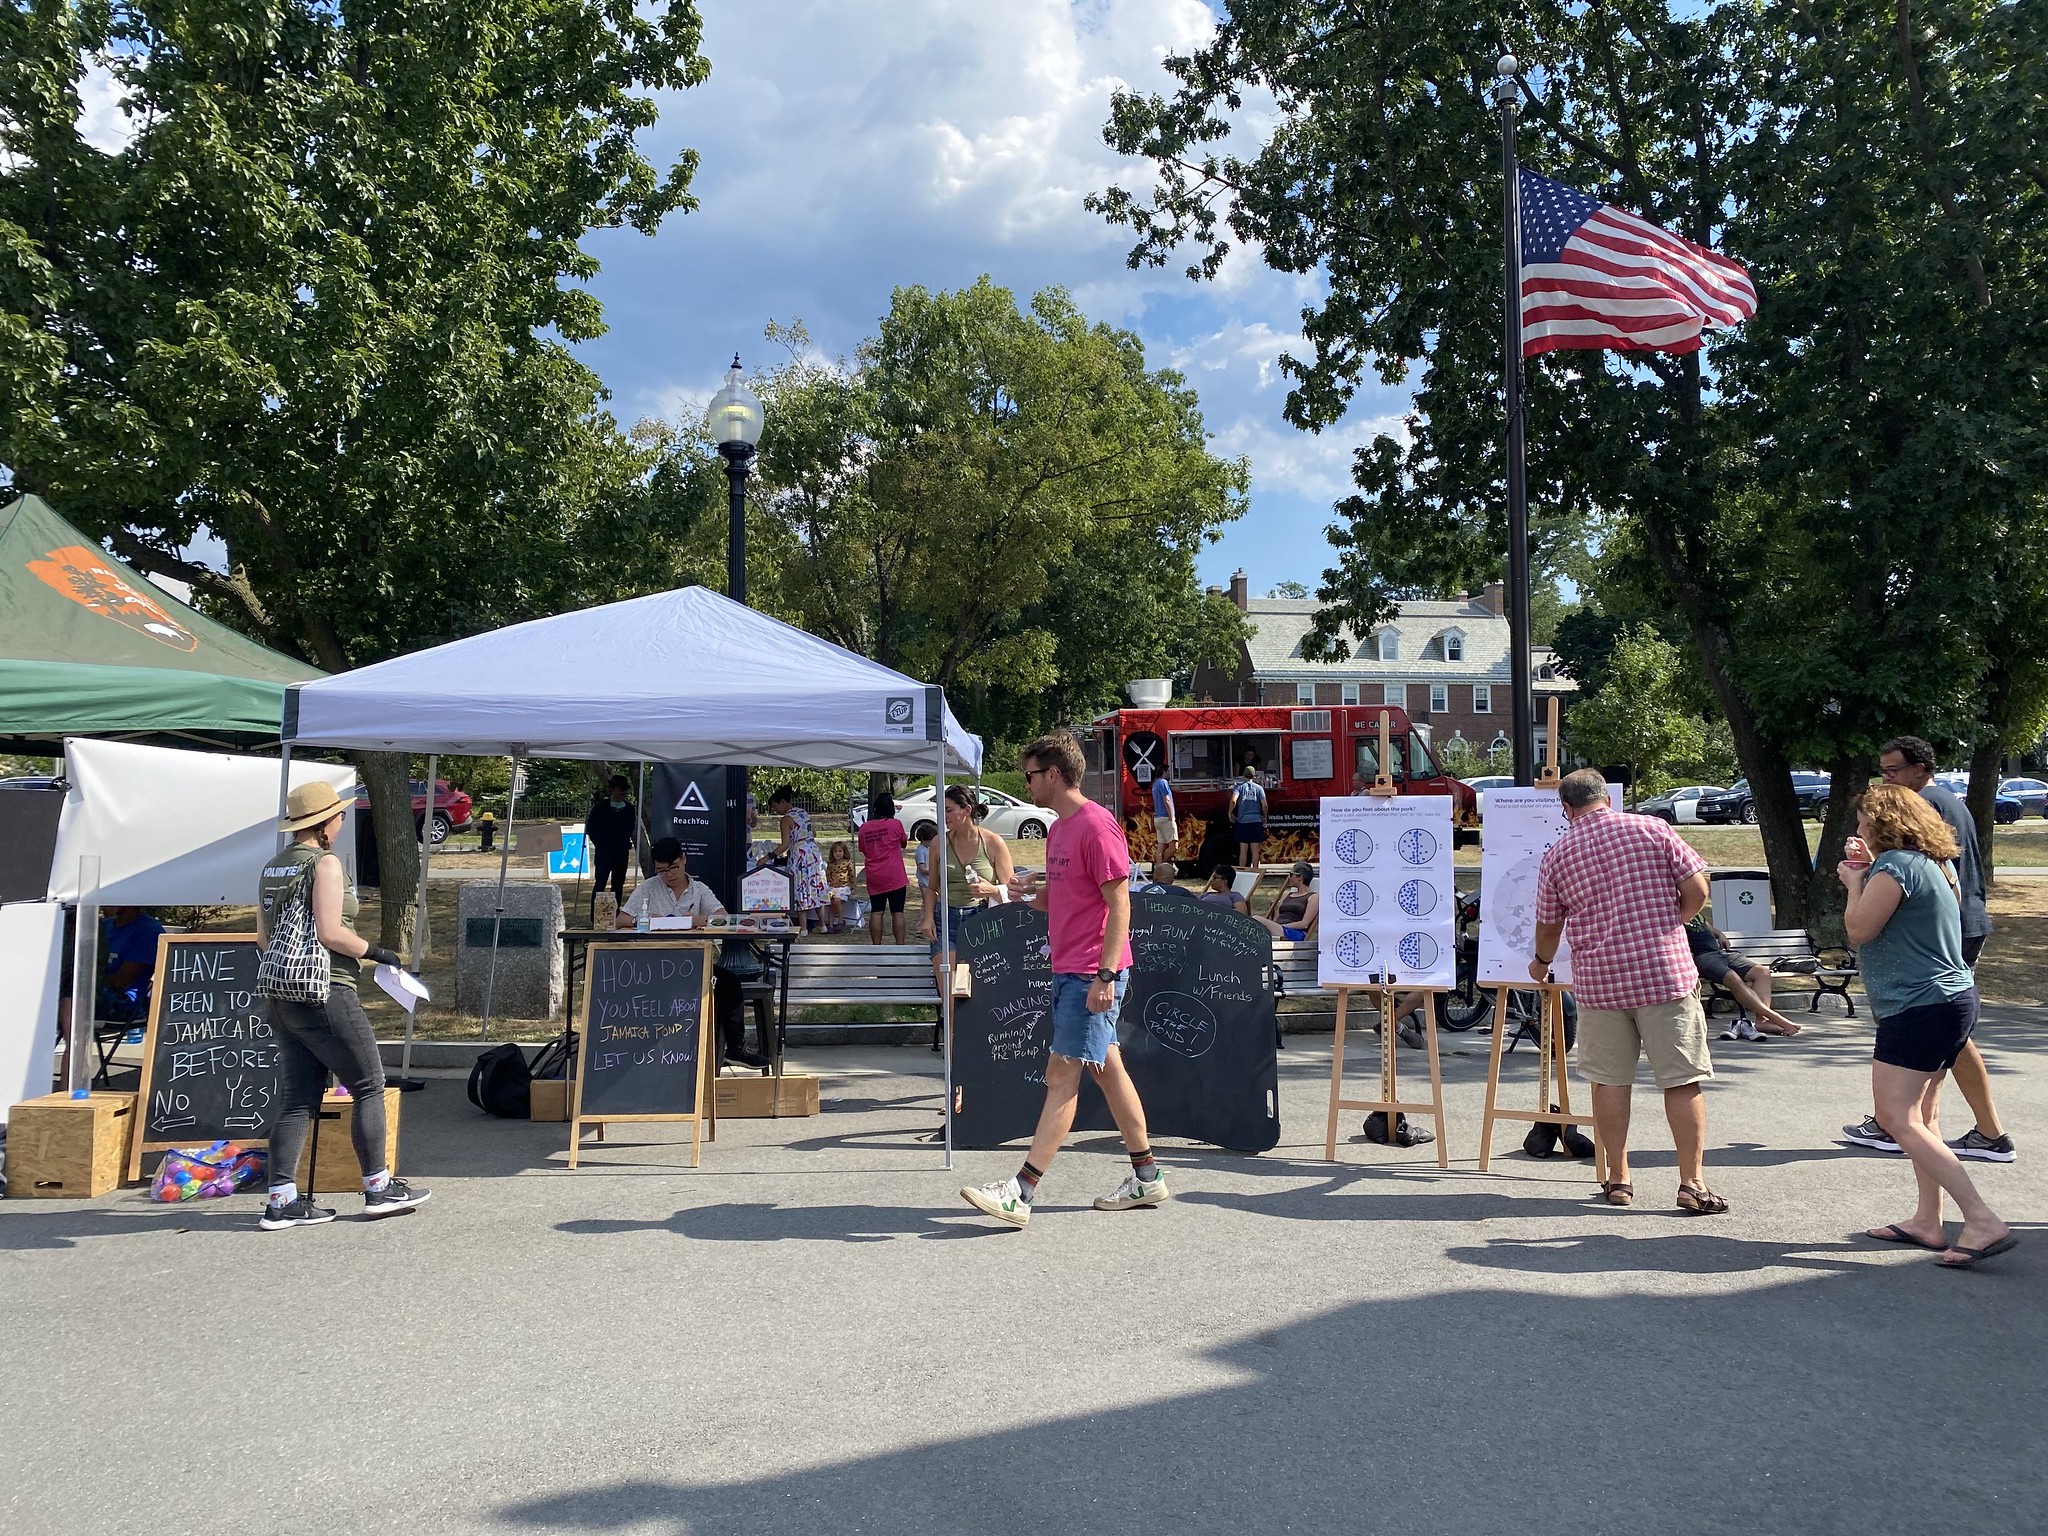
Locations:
(129, 936)
(1165, 829)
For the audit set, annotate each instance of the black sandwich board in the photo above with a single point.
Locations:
(210, 1059)
(646, 1027)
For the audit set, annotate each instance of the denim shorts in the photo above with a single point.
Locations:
(1076, 1032)
(956, 916)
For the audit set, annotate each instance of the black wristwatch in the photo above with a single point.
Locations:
(1105, 974)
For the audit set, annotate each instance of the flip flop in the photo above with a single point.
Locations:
(1898, 1234)
(1979, 1255)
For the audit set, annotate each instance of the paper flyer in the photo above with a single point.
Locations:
(402, 987)
(1521, 824)
(1389, 905)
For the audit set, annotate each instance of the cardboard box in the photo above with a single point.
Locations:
(550, 1098)
(790, 1096)
(337, 1173)
(61, 1148)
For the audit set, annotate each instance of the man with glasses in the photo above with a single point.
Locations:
(1909, 762)
(1086, 897)
(670, 892)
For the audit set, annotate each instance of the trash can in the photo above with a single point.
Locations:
(1741, 900)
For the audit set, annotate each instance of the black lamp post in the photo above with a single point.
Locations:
(735, 425)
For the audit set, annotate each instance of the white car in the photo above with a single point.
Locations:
(1482, 784)
(1680, 806)
(1007, 815)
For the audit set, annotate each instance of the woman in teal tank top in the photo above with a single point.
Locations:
(1906, 923)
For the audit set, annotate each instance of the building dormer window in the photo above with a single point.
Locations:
(1454, 646)
(1390, 644)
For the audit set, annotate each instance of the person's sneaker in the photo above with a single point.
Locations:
(1730, 1030)
(393, 1198)
(302, 1212)
(1002, 1200)
(1869, 1134)
(1134, 1192)
(1405, 1135)
(1745, 1029)
(1410, 1033)
(1985, 1149)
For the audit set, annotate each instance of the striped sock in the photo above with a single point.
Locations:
(1027, 1182)
(1145, 1166)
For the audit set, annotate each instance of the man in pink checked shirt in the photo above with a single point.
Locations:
(1622, 889)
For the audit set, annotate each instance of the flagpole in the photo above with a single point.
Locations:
(1524, 706)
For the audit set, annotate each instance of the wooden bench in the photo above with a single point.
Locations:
(828, 975)
(1294, 970)
(1792, 954)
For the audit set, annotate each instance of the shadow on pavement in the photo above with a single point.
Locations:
(1474, 1411)
(761, 1223)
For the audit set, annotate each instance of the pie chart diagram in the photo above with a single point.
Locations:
(1354, 847)
(1418, 952)
(1354, 951)
(1354, 898)
(1417, 846)
(1417, 898)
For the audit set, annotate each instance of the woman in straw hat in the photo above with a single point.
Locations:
(317, 1038)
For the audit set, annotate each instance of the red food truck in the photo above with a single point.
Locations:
(1300, 756)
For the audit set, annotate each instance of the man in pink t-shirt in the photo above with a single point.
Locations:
(882, 841)
(1086, 896)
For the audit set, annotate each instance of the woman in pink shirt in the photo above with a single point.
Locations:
(882, 841)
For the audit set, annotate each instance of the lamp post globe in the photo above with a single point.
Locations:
(734, 421)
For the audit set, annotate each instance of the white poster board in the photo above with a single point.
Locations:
(31, 958)
(1521, 824)
(1389, 905)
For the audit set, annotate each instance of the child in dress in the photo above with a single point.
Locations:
(839, 880)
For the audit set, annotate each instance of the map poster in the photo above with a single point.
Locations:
(1389, 906)
(1521, 824)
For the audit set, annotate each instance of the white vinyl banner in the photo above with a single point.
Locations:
(1521, 824)
(175, 828)
(31, 958)
(1389, 905)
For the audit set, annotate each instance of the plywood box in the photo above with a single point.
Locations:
(550, 1098)
(61, 1148)
(337, 1172)
(792, 1095)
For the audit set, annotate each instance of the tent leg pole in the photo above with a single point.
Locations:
(85, 986)
(945, 946)
(639, 825)
(498, 917)
(284, 789)
(419, 919)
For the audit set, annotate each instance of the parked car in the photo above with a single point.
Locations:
(1681, 806)
(1007, 815)
(32, 781)
(1737, 804)
(2032, 795)
(1483, 783)
(451, 807)
(2005, 808)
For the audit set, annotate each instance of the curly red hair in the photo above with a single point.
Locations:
(1899, 818)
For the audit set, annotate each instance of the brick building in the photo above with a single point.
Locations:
(1446, 663)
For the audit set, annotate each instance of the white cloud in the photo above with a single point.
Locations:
(101, 122)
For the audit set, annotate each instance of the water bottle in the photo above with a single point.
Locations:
(640, 923)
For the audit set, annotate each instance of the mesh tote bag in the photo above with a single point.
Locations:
(295, 968)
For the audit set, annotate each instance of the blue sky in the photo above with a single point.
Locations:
(850, 147)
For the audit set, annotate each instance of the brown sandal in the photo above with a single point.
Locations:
(1700, 1200)
(1617, 1194)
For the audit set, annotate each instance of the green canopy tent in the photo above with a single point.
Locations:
(90, 648)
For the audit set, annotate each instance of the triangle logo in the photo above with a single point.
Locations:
(693, 800)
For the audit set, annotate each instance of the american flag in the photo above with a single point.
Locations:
(1596, 277)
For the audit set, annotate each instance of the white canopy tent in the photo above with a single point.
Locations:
(683, 676)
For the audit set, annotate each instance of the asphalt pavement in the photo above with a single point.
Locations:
(811, 1333)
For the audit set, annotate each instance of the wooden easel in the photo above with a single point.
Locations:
(706, 1114)
(1553, 1085)
(1382, 993)
(1389, 1102)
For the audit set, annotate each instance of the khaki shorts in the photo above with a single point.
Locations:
(1166, 830)
(1673, 1035)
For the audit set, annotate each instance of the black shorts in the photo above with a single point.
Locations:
(1251, 833)
(887, 901)
(1717, 965)
(1928, 1039)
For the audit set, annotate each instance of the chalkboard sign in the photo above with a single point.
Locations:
(1196, 1030)
(210, 1059)
(646, 1028)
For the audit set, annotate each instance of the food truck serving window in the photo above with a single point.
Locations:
(1216, 757)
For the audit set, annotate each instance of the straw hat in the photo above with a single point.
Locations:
(311, 805)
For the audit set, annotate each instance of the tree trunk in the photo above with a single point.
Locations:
(1985, 763)
(1825, 897)
(389, 778)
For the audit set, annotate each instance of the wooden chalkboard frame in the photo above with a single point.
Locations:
(706, 1111)
(138, 1148)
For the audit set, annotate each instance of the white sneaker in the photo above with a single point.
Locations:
(1732, 1030)
(1134, 1192)
(1002, 1200)
(1745, 1029)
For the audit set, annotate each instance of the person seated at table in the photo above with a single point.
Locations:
(670, 892)
(128, 969)
(1747, 981)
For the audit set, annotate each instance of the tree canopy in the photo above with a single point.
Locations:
(1839, 502)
